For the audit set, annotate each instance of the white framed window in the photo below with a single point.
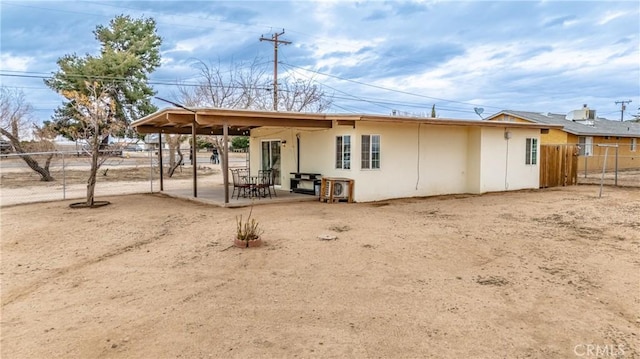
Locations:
(343, 152)
(634, 144)
(586, 145)
(370, 152)
(531, 155)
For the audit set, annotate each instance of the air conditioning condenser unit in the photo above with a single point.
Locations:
(336, 189)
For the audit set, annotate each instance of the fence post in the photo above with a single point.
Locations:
(64, 179)
(616, 174)
(604, 167)
(585, 164)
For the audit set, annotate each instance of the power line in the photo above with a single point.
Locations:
(389, 89)
(351, 97)
(124, 79)
(381, 102)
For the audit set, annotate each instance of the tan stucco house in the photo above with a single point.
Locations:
(385, 156)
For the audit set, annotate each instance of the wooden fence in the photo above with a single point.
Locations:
(558, 165)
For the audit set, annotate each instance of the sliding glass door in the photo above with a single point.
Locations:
(271, 158)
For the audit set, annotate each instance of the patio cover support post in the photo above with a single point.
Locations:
(160, 161)
(225, 161)
(193, 154)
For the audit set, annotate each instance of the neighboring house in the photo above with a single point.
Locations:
(582, 127)
(386, 156)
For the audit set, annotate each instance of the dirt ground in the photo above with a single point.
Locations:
(626, 178)
(552, 273)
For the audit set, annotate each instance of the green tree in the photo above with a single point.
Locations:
(433, 111)
(240, 142)
(105, 93)
(202, 143)
(129, 52)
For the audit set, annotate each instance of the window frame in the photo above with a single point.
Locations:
(343, 148)
(634, 144)
(367, 160)
(531, 151)
(586, 146)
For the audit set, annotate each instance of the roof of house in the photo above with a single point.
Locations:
(596, 127)
(211, 120)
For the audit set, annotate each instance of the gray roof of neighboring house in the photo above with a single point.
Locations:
(600, 126)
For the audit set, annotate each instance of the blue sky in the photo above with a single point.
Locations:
(373, 56)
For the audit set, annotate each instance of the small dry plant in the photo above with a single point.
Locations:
(247, 230)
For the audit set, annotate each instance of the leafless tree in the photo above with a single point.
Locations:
(174, 142)
(241, 85)
(15, 114)
(300, 95)
(248, 85)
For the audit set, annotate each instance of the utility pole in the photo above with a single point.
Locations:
(276, 41)
(623, 107)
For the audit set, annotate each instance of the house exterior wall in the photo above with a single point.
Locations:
(502, 161)
(287, 150)
(554, 137)
(627, 159)
(474, 160)
(415, 159)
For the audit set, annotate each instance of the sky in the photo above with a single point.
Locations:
(372, 57)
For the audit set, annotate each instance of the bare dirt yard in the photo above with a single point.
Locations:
(552, 273)
(625, 178)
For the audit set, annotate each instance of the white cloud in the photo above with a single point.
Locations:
(8, 62)
(610, 16)
(194, 44)
(345, 50)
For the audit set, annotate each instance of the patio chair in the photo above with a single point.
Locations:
(240, 183)
(272, 181)
(263, 185)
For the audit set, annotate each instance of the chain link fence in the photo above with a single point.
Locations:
(610, 164)
(122, 172)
